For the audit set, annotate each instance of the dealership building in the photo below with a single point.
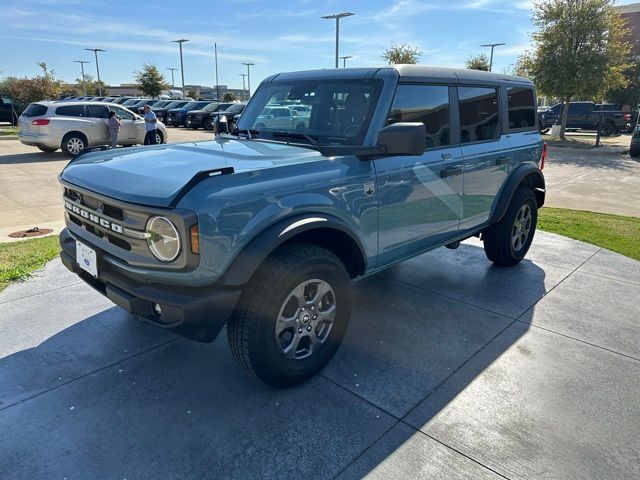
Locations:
(631, 13)
(204, 92)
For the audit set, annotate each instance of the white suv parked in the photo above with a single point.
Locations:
(74, 126)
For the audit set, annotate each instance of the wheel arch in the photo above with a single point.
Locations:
(74, 132)
(322, 230)
(527, 175)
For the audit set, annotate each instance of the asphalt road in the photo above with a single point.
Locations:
(451, 369)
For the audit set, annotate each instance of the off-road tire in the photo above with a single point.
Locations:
(608, 129)
(251, 328)
(498, 238)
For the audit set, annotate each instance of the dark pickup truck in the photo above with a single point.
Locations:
(587, 115)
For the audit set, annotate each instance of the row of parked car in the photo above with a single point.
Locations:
(608, 117)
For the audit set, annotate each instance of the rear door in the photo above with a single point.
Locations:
(98, 130)
(577, 116)
(485, 151)
(419, 197)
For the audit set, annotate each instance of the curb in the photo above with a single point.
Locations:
(8, 137)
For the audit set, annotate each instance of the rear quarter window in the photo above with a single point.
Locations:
(70, 111)
(522, 108)
(35, 110)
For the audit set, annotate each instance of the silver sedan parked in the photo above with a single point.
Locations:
(74, 126)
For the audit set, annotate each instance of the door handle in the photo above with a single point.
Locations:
(502, 160)
(446, 156)
(450, 172)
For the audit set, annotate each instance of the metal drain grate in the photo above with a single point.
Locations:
(32, 232)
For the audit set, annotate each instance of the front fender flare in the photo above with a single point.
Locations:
(247, 261)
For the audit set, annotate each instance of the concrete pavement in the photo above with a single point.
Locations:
(451, 368)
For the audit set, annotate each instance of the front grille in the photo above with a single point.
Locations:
(94, 204)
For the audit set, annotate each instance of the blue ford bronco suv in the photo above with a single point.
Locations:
(265, 228)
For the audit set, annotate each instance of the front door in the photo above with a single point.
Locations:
(419, 197)
(485, 151)
(132, 130)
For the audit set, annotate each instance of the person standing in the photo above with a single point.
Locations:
(150, 121)
(114, 127)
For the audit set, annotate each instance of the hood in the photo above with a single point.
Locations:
(154, 175)
(177, 110)
(198, 112)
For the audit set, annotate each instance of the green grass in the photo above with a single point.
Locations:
(8, 131)
(615, 232)
(19, 259)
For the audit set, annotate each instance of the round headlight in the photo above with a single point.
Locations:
(164, 242)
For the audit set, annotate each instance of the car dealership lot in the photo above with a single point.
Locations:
(29, 189)
(451, 368)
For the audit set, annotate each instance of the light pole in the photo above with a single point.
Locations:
(180, 42)
(344, 60)
(248, 64)
(95, 51)
(338, 16)
(492, 45)
(172, 70)
(84, 83)
(243, 87)
(215, 49)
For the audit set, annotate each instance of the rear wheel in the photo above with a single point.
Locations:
(159, 137)
(292, 315)
(508, 241)
(47, 149)
(73, 144)
(635, 152)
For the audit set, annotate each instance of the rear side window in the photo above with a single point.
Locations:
(97, 111)
(522, 108)
(579, 108)
(428, 104)
(71, 111)
(35, 110)
(478, 114)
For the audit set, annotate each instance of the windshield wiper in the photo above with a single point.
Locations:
(312, 139)
(250, 132)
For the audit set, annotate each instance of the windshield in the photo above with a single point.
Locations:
(211, 107)
(333, 112)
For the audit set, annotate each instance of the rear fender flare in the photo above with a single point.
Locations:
(526, 174)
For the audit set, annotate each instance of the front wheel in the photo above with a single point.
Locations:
(508, 241)
(292, 315)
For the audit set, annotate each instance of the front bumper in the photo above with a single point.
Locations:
(199, 122)
(194, 312)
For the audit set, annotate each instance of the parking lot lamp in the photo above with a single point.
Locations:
(215, 48)
(243, 75)
(180, 42)
(344, 60)
(172, 70)
(492, 45)
(95, 52)
(338, 16)
(248, 64)
(84, 83)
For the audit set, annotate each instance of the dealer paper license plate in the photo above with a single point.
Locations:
(86, 258)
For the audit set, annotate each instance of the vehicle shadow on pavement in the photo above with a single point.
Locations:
(34, 157)
(111, 396)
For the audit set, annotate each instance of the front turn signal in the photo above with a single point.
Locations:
(195, 239)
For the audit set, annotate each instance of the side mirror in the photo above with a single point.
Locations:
(403, 138)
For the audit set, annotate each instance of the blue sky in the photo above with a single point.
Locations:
(275, 35)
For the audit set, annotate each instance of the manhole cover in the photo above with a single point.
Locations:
(32, 232)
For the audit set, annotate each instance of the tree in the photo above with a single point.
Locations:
(193, 93)
(28, 90)
(92, 85)
(479, 62)
(630, 93)
(399, 54)
(229, 97)
(150, 81)
(578, 50)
